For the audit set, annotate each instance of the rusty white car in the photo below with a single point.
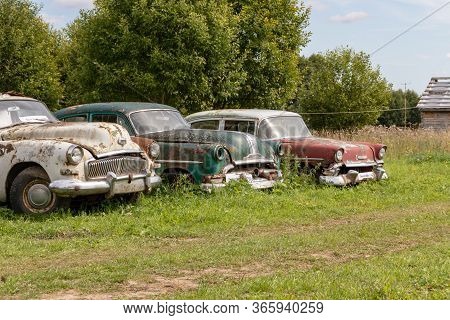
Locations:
(45, 163)
(334, 162)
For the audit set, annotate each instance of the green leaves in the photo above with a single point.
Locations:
(270, 37)
(28, 49)
(194, 55)
(339, 81)
(180, 53)
(397, 118)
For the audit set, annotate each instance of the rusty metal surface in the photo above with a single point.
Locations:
(184, 150)
(313, 153)
(45, 144)
(98, 138)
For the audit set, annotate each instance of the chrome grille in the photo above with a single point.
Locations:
(119, 165)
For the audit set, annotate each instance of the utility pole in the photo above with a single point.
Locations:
(404, 99)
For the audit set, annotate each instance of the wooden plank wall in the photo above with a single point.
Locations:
(435, 120)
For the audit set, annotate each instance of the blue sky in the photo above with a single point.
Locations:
(363, 25)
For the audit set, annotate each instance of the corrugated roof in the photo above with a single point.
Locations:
(436, 96)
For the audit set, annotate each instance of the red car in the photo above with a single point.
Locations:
(338, 163)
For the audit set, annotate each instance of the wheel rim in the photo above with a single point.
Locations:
(39, 196)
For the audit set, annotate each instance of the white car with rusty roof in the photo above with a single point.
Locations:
(44, 163)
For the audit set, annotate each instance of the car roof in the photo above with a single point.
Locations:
(7, 97)
(122, 107)
(258, 114)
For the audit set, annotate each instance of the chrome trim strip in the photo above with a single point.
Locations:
(118, 153)
(255, 161)
(178, 161)
(74, 188)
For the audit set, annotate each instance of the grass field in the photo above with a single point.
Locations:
(387, 240)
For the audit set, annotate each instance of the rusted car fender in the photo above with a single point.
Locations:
(50, 155)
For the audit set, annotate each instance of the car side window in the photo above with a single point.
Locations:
(82, 118)
(112, 118)
(240, 126)
(207, 124)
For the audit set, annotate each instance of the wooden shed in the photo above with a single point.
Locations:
(434, 105)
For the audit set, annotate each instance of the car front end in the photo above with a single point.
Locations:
(336, 162)
(354, 165)
(214, 158)
(88, 159)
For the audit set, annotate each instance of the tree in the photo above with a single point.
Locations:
(27, 52)
(271, 35)
(183, 53)
(397, 117)
(341, 80)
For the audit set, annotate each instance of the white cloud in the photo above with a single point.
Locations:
(82, 4)
(350, 17)
(54, 20)
(316, 4)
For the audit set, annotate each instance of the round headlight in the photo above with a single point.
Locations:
(381, 153)
(154, 150)
(339, 155)
(219, 153)
(75, 155)
(280, 150)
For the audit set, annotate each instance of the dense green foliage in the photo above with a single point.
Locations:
(271, 35)
(397, 117)
(193, 55)
(182, 53)
(341, 80)
(27, 52)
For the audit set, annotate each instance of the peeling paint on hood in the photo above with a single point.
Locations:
(98, 138)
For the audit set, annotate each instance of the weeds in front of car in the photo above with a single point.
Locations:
(295, 176)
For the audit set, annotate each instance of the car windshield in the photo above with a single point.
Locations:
(157, 120)
(283, 127)
(14, 112)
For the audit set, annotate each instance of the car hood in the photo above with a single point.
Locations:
(241, 146)
(98, 138)
(325, 149)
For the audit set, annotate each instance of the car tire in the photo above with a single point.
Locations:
(29, 193)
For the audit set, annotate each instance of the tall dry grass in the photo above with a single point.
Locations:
(401, 142)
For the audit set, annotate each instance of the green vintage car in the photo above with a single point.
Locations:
(210, 158)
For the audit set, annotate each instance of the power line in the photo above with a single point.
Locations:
(410, 28)
(354, 112)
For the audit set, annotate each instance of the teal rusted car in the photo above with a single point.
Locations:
(210, 158)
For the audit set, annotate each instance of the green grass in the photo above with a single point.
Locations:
(387, 240)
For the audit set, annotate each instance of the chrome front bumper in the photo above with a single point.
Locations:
(353, 177)
(255, 182)
(110, 186)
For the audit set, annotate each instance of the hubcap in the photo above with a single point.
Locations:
(39, 195)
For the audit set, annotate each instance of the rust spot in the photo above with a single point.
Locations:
(6, 148)
(142, 142)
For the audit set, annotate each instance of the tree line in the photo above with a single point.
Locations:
(194, 55)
